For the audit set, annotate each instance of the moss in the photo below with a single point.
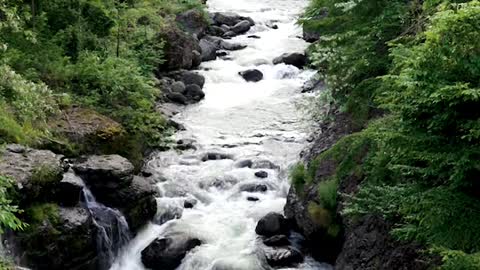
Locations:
(45, 174)
(298, 177)
(327, 193)
(38, 214)
(6, 264)
(325, 219)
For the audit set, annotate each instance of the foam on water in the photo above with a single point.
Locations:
(242, 121)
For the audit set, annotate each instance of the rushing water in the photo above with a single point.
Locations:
(237, 121)
(111, 226)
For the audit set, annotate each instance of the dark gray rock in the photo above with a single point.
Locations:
(193, 93)
(261, 174)
(253, 188)
(193, 22)
(177, 98)
(251, 75)
(189, 203)
(277, 241)
(105, 173)
(252, 199)
(168, 253)
(254, 36)
(310, 35)
(179, 49)
(215, 156)
(196, 57)
(241, 27)
(177, 87)
(298, 60)
(70, 189)
(264, 164)
(209, 50)
(284, 257)
(229, 19)
(272, 224)
(245, 163)
(216, 31)
(37, 173)
(65, 239)
(188, 77)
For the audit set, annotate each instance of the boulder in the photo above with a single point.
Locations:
(188, 77)
(252, 75)
(177, 87)
(197, 57)
(177, 98)
(193, 93)
(70, 189)
(254, 36)
(90, 131)
(215, 156)
(241, 27)
(298, 60)
(36, 173)
(104, 174)
(277, 241)
(193, 22)
(284, 257)
(138, 202)
(209, 50)
(229, 19)
(310, 35)
(264, 164)
(261, 174)
(272, 224)
(179, 49)
(189, 203)
(253, 188)
(216, 31)
(59, 238)
(252, 199)
(168, 253)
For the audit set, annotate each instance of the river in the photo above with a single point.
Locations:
(238, 122)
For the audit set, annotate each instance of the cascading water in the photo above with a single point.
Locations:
(239, 129)
(111, 226)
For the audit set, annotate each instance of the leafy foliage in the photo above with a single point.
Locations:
(418, 62)
(8, 212)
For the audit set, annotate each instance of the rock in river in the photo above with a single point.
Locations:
(252, 75)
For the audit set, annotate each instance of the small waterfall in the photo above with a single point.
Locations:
(112, 229)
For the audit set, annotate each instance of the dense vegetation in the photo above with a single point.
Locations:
(408, 73)
(96, 54)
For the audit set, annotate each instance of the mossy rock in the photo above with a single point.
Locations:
(58, 238)
(85, 131)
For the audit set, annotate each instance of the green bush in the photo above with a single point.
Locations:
(8, 212)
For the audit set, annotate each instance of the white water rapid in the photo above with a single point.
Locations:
(237, 122)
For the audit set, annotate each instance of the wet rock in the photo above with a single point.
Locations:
(65, 238)
(186, 144)
(229, 34)
(196, 57)
(284, 257)
(137, 202)
(272, 224)
(178, 49)
(251, 75)
(178, 98)
(310, 36)
(215, 156)
(261, 174)
(252, 199)
(105, 173)
(277, 241)
(176, 125)
(298, 60)
(189, 203)
(69, 190)
(177, 87)
(264, 164)
(313, 85)
(222, 53)
(193, 93)
(209, 50)
(216, 31)
(37, 173)
(193, 22)
(168, 253)
(232, 46)
(229, 19)
(241, 27)
(91, 131)
(167, 210)
(254, 36)
(253, 188)
(188, 77)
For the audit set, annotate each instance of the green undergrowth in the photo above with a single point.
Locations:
(408, 72)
